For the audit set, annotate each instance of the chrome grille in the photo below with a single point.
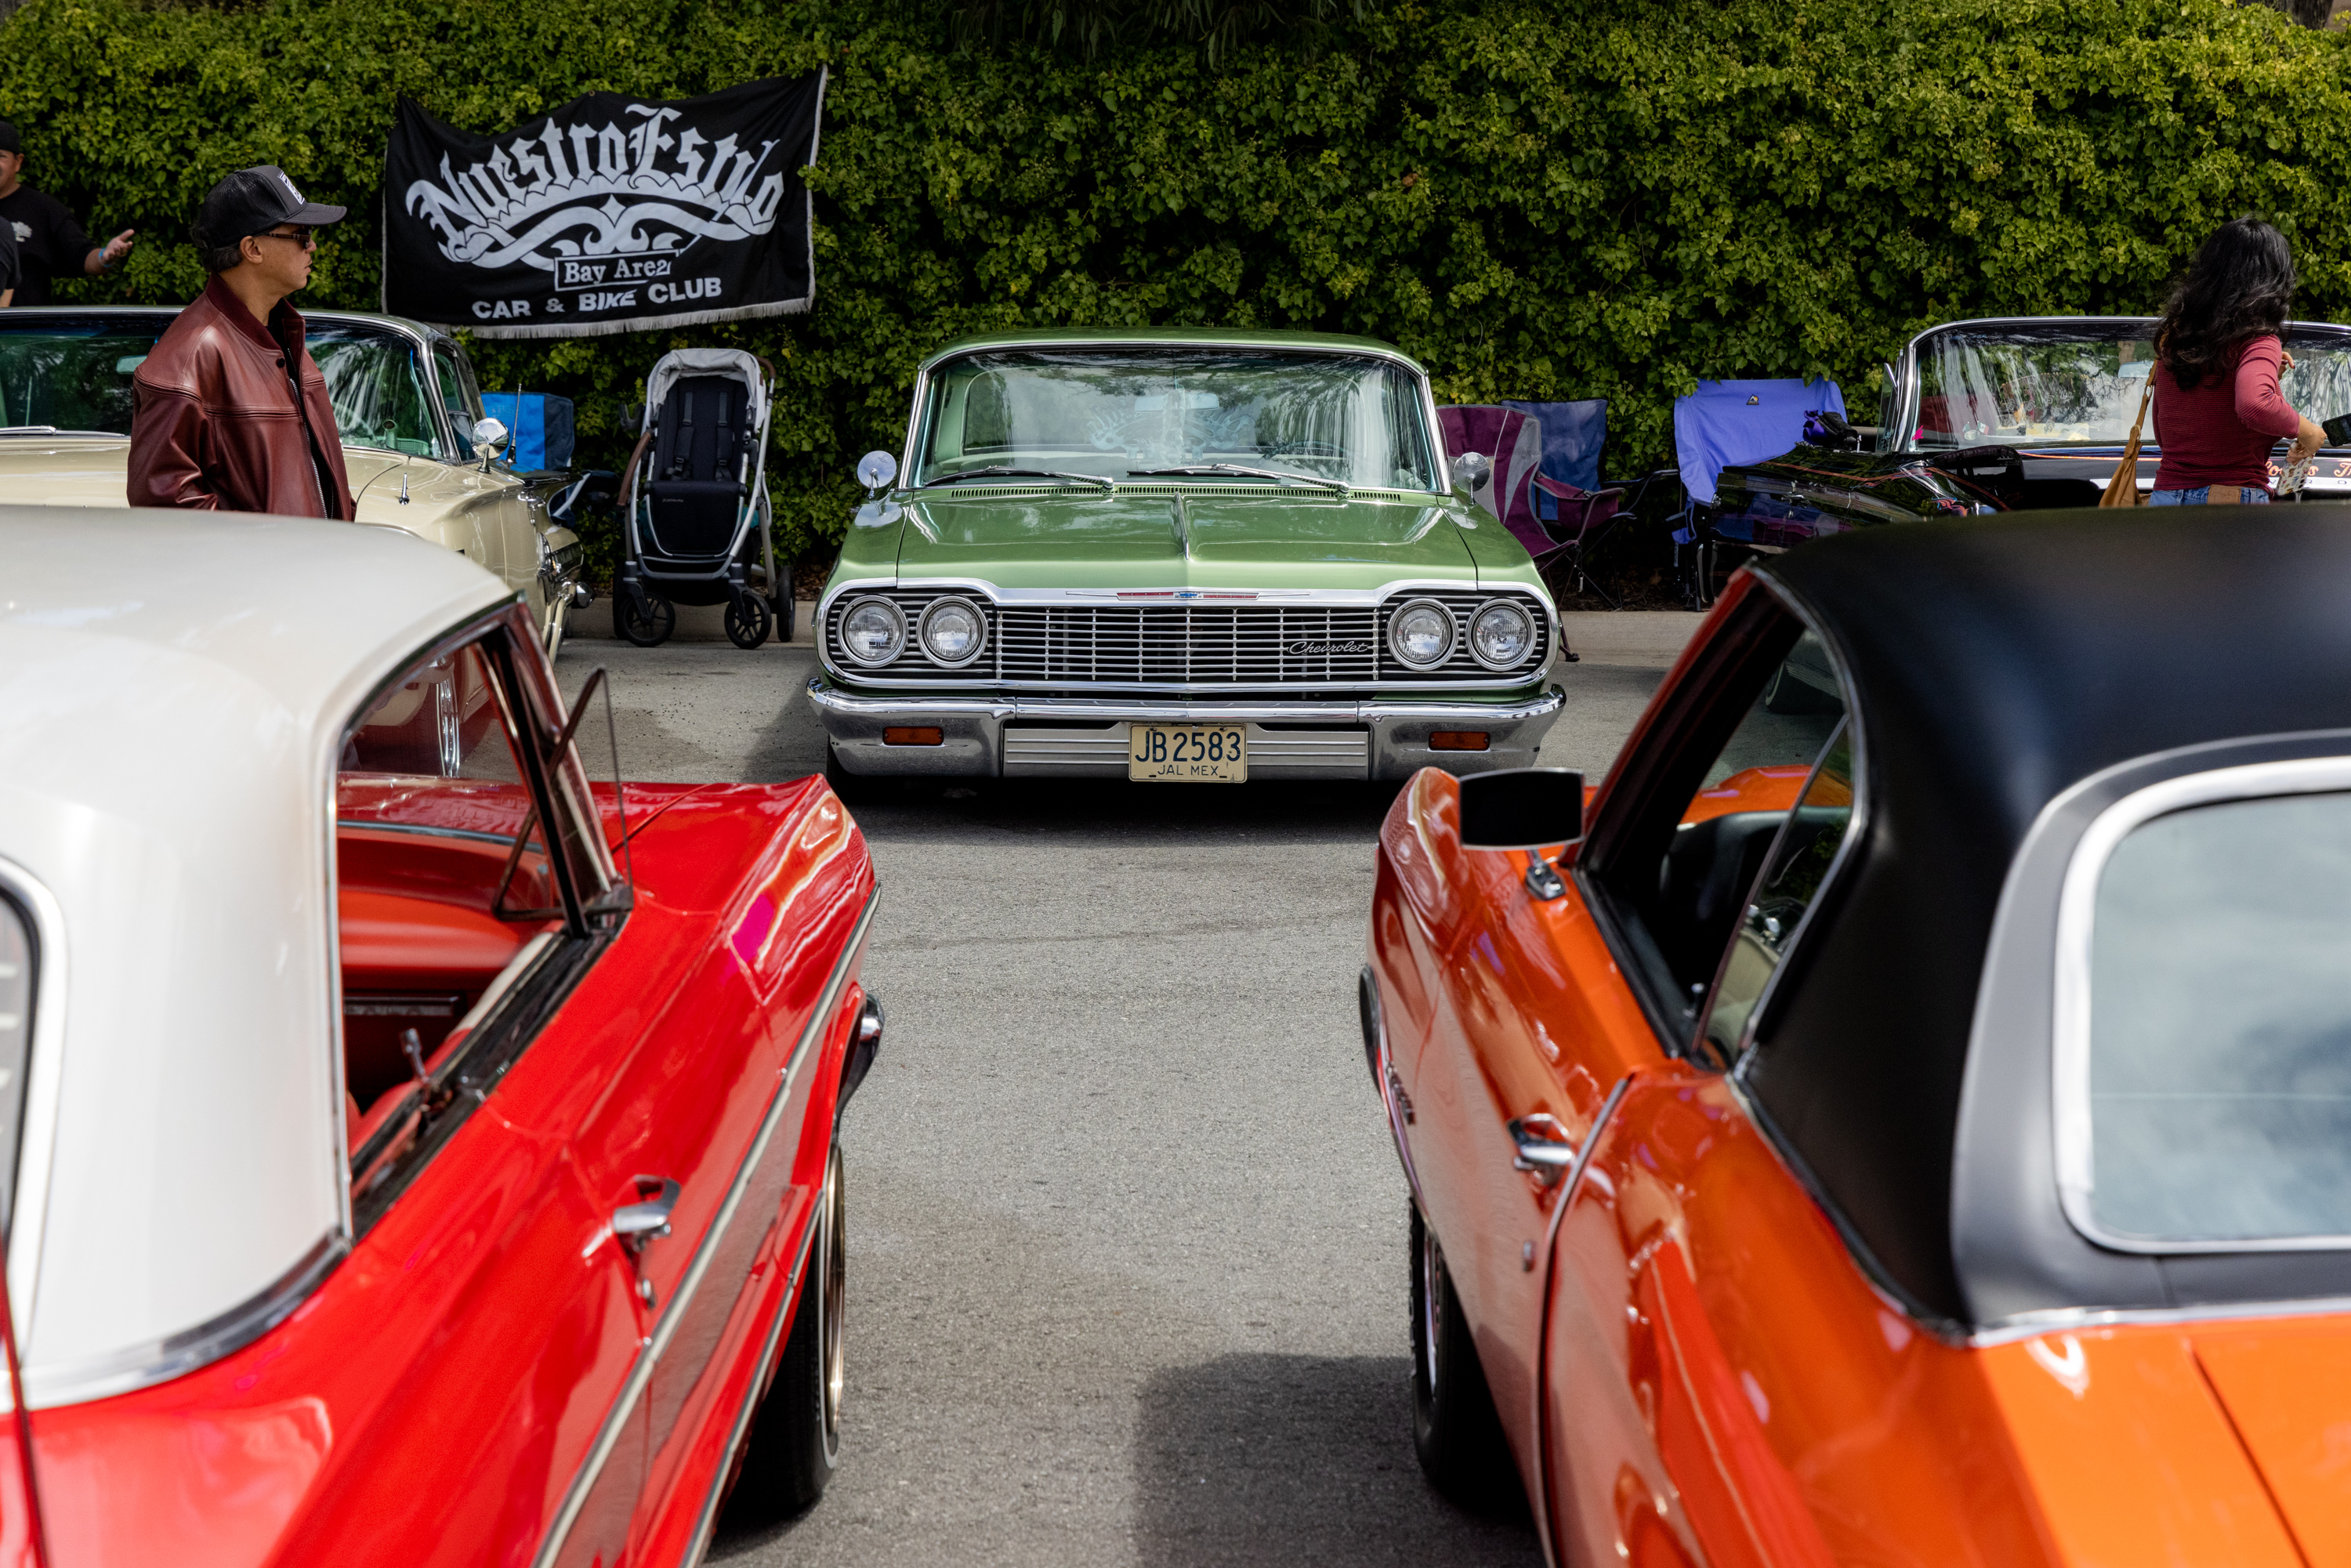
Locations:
(1187, 644)
(1262, 645)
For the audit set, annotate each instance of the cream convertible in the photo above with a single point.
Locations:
(404, 397)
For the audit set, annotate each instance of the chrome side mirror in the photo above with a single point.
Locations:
(488, 437)
(876, 469)
(1471, 470)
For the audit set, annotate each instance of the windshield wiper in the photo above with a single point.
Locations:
(1000, 472)
(1287, 476)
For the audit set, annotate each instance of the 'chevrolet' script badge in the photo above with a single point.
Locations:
(1305, 650)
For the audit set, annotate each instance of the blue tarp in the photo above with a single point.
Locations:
(1724, 423)
(542, 428)
(1571, 436)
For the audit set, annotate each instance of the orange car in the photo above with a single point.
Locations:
(1910, 1120)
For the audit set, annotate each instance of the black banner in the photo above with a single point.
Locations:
(611, 215)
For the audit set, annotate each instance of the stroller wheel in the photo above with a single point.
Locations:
(749, 619)
(645, 634)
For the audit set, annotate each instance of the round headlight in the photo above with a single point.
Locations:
(874, 631)
(1421, 633)
(953, 632)
(1501, 634)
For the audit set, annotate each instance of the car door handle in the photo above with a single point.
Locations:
(1542, 1148)
(635, 1224)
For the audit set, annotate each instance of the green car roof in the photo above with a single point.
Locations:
(1168, 336)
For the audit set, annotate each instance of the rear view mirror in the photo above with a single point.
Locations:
(2338, 430)
(1522, 808)
(1471, 470)
(876, 469)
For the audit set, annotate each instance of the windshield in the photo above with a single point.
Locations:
(2080, 385)
(1110, 414)
(377, 383)
(72, 372)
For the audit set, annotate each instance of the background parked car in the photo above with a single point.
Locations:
(1178, 556)
(416, 1148)
(404, 397)
(1911, 1124)
(2021, 414)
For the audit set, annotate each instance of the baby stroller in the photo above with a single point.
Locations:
(689, 508)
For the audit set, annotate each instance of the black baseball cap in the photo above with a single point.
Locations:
(9, 141)
(252, 199)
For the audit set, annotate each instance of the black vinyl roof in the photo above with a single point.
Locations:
(1995, 663)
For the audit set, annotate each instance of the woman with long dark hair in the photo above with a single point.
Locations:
(2217, 410)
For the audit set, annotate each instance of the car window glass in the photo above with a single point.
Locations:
(1794, 870)
(443, 878)
(377, 383)
(1116, 413)
(73, 372)
(459, 395)
(2220, 1018)
(1691, 898)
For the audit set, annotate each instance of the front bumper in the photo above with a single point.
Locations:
(1086, 737)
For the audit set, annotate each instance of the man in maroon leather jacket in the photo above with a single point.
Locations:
(232, 412)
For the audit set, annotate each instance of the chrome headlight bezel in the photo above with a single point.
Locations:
(922, 631)
(1525, 621)
(1395, 627)
(898, 624)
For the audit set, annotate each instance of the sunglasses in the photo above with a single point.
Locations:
(306, 238)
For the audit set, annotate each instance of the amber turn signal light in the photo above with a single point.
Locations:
(1459, 741)
(911, 735)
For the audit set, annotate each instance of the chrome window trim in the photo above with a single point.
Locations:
(1431, 432)
(159, 1361)
(978, 648)
(2071, 1002)
(650, 1349)
(2077, 1320)
(44, 1084)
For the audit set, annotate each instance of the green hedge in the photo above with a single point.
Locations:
(1539, 200)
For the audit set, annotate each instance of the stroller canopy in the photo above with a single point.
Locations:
(679, 363)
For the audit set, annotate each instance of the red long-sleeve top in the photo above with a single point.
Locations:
(2222, 431)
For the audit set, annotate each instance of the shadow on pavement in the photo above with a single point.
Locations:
(1287, 812)
(1266, 1459)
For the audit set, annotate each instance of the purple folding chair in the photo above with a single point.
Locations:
(1513, 442)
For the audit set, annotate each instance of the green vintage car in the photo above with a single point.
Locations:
(1181, 557)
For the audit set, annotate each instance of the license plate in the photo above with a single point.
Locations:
(1186, 753)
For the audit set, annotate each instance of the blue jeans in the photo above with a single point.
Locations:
(2254, 496)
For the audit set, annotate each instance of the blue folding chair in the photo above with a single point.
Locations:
(1721, 425)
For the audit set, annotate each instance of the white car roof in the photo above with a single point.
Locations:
(174, 688)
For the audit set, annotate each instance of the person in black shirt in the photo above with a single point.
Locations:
(12, 270)
(48, 239)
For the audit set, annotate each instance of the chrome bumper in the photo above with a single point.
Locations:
(1086, 737)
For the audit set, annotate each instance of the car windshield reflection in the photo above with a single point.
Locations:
(1253, 417)
(2080, 385)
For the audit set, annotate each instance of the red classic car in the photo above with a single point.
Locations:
(1909, 1120)
(416, 1148)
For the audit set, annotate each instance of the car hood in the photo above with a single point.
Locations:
(1205, 538)
(91, 470)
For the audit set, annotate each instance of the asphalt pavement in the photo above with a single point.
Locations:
(1127, 1261)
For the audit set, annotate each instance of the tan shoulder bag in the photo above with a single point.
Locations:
(2122, 490)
